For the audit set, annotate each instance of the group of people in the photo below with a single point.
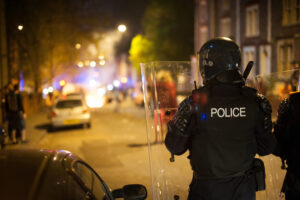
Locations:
(224, 124)
(13, 114)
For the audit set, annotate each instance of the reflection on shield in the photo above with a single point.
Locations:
(275, 87)
(165, 85)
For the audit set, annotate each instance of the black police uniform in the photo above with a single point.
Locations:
(223, 128)
(287, 132)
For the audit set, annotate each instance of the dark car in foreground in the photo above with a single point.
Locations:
(57, 175)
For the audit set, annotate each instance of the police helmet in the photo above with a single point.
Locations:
(220, 59)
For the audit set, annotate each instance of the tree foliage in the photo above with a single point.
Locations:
(140, 51)
(168, 27)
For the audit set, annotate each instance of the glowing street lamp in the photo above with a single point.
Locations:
(20, 27)
(77, 46)
(122, 28)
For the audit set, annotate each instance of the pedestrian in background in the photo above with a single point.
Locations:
(15, 111)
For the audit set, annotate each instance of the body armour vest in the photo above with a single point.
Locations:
(223, 141)
(293, 130)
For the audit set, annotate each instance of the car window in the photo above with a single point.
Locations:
(69, 103)
(90, 180)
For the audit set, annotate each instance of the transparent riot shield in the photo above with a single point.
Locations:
(165, 85)
(275, 87)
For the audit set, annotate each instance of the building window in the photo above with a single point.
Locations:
(291, 12)
(203, 11)
(265, 60)
(285, 54)
(249, 55)
(225, 5)
(252, 21)
(297, 10)
(225, 27)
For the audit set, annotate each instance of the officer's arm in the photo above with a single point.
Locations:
(281, 126)
(266, 141)
(179, 128)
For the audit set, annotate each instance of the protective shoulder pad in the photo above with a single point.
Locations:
(264, 104)
(284, 106)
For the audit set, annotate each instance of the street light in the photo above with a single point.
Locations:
(122, 28)
(20, 27)
(77, 46)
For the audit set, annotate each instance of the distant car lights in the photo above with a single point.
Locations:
(110, 87)
(95, 101)
(116, 83)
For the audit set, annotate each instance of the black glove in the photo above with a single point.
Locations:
(182, 117)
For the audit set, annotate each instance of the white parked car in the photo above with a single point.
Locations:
(70, 111)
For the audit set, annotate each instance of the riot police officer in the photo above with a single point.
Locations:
(287, 131)
(223, 125)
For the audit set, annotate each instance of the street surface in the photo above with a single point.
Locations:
(116, 147)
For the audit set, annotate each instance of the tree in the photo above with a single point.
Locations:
(168, 27)
(140, 51)
(46, 45)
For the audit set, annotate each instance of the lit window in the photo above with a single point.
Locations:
(291, 12)
(285, 54)
(249, 55)
(252, 21)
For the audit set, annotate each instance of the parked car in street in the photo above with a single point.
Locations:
(56, 174)
(69, 111)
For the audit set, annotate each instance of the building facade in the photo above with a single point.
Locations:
(268, 31)
(3, 47)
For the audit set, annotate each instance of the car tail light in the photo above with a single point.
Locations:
(85, 111)
(53, 114)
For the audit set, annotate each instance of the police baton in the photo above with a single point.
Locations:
(247, 70)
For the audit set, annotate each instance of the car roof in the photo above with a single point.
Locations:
(22, 170)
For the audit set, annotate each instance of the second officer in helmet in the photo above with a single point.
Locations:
(223, 124)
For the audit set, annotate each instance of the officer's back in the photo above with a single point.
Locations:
(223, 125)
(224, 129)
